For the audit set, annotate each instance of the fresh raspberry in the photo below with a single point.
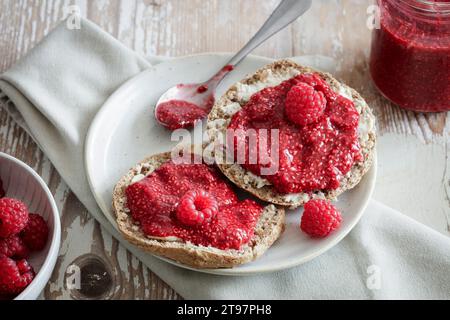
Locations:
(196, 207)
(320, 218)
(13, 217)
(35, 233)
(2, 191)
(319, 84)
(343, 113)
(24, 266)
(14, 276)
(304, 105)
(13, 247)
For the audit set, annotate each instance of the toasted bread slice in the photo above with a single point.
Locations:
(268, 229)
(271, 75)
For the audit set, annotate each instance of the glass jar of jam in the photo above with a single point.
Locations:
(410, 56)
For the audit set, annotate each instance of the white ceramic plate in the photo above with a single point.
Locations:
(124, 132)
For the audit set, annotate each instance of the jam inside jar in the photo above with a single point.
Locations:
(410, 55)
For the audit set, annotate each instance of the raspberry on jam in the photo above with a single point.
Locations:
(343, 113)
(192, 202)
(318, 134)
(196, 208)
(304, 105)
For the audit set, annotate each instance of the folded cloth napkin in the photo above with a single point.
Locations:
(56, 90)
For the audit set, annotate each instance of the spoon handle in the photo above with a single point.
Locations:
(286, 12)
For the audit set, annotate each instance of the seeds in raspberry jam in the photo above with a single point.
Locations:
(343, 113)
(262, 107)
(318, 134)
(196, 208)
(304, 105)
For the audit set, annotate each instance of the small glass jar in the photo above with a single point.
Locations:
(410, 55)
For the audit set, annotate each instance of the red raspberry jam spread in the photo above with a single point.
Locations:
(196, 207)
(317, 129)
(177, 114)
(410, 58)
(191, 106)
(192, 202)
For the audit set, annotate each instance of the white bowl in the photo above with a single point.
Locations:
(23, 183)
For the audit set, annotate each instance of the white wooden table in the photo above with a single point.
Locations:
(414, 149)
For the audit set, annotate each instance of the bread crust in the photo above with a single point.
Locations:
(220, 117)
(269, 228)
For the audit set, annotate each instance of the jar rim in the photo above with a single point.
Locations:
(428, 7)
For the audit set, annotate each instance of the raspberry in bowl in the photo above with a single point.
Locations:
(29, 233)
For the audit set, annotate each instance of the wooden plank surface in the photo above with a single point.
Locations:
(332, 28)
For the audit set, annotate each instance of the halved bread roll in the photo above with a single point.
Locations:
(268, 229)
(272, 75)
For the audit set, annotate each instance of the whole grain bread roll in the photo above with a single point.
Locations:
(271, 75)
(268, 229)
